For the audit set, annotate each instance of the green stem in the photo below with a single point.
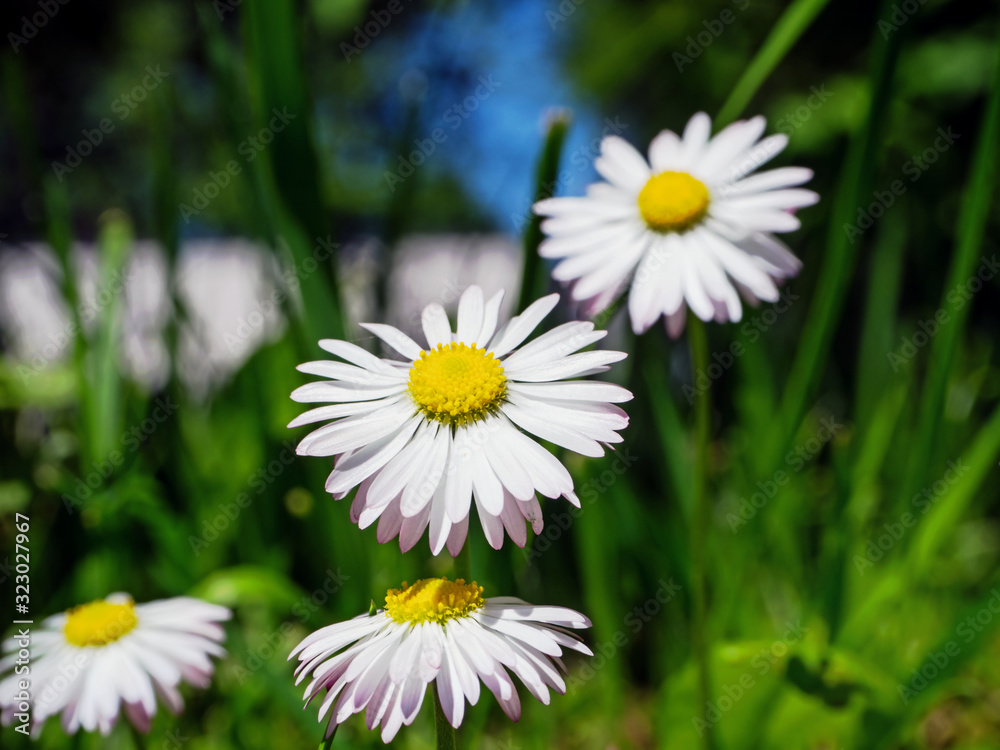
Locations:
(446, 739)
(700, 643)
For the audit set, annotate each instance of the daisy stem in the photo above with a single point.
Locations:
(700, 643)
(446, 739)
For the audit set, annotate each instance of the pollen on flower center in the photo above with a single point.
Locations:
(673, 201)
(433, 600)
(99, 623)
(457, 383)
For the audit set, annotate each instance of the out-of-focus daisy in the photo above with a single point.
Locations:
(442, 632)
(112, 655)
(691, 227)
(423, 437)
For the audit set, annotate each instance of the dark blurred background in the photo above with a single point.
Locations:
(194, 193)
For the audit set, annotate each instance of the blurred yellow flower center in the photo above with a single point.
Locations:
(673, 201)
(99, 623)
(433, 600)
(457, 383)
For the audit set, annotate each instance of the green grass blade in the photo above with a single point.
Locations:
(792, 24)
(838, 260)
(281, 103)
(107, 407)
(533, 281)
(938, 526)
(879, 329)
(970, 235)
(670, 429)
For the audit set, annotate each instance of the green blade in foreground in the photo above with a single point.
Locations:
(792, 24)
(282, 105)
(532, 280)
(841, 250)
(970, 235)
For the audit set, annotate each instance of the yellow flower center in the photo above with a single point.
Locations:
(457, 384)
(99, 623)
(673, 202)
(433, 600)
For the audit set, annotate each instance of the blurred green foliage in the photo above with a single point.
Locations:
(847, 554)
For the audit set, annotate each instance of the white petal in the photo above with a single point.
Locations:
(780, 200)
(335, 411)
(554, 433)
(521, 326)
(757, 157)
(696, 134)
(485, 485)
(740, 266)
(356, 355)
(782, 177)
(575, 365)
(559, 342)
(575, 390)
(665, 152)
(437, 329)
(325, 391)
(694, 291)
(395, 338)
(425, 483)
(621, 165)
(491, 314)
(355, 432)
(730, 143)
(458, 481)
(352, 470)
(470, 316)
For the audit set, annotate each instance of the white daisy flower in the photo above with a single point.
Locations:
(112, 655)
(442, 632)
(692, 227)
(423, 437)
